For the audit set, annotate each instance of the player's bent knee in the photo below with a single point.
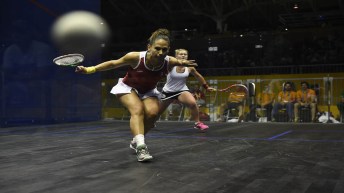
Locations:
(151, 114)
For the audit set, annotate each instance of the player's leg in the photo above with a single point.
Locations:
(296, 112)
(313, 111)
(151, 112)
(187, 99)
(136, 109)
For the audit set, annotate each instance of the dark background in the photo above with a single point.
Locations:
(33, 89)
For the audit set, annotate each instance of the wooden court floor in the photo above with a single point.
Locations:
(95, 157)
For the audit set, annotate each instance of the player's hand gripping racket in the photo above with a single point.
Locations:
(70, 60)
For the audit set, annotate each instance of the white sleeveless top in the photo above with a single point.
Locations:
(176, 81)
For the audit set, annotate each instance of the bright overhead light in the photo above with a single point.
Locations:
(296, 6)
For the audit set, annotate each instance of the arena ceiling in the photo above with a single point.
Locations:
(132, 19)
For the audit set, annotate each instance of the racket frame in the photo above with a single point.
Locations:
(66, 56)
(231, 86)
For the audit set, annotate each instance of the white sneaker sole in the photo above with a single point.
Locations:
(145, 159)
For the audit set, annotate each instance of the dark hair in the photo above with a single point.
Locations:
(287, 83)
(304, 82)
(159, 34)
(290, 83)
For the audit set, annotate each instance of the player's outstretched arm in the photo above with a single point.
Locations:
(180, 62)
(201, 79)
(130, 59)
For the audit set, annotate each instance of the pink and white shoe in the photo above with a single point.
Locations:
(201, 126)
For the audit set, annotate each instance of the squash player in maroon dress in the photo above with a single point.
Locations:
(137, 90)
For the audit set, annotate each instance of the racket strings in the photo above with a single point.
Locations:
(69, 60)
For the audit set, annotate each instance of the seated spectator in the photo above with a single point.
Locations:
(265, 100)
(174, 106)
(340, 106)
(286, 99)
(236, 100)
(305, 97)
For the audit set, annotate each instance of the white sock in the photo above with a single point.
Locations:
(139, 139)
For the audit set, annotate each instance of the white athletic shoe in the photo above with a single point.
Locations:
(143, 154)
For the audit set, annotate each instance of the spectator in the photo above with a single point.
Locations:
(340, 106)
(236, 100)
(286, 99)
(265, 100)
(305, 97)
(174, 106)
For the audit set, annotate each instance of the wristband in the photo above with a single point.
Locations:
(206, 86)
(90, 70)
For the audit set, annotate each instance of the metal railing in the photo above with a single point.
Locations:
(263, 70)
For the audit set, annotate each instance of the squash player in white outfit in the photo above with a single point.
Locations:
(176, 89)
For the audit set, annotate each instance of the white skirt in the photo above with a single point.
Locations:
(122, 88)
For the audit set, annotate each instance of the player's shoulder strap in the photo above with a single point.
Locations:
(143, 54)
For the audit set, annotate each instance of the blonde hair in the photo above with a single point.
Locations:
(159, 34)
(177, 51)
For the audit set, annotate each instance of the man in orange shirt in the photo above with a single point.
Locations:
(286, 98)
(305, 97)
(236, 99)
(265, 100)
